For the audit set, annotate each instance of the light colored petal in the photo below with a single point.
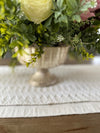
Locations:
(37, 10)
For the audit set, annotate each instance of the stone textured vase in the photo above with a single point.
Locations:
(52, 57)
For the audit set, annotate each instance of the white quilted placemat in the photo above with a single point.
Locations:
(79, 86)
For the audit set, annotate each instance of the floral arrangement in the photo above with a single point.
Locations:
(49, 23)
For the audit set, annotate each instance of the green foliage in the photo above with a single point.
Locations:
(64, 26)
(15, 29)
(70, 10)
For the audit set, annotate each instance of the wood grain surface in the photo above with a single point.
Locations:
(89, 123)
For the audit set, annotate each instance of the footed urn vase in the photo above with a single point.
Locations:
(52, 57)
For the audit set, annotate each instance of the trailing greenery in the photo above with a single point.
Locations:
(63, 27)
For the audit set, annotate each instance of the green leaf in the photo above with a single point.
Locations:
(1, 51)
(57, 14)
(60, 3)
(31, 38)
(76, 18)
(2, 10)
(85, 7)
(48, 22)
(63, 19)
(72, 4)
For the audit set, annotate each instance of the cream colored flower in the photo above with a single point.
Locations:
(37, 10)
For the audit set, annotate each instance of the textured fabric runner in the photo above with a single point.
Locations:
(77, 92)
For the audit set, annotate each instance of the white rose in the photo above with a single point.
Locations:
(37, 10)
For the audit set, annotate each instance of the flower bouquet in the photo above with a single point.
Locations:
(41, 31)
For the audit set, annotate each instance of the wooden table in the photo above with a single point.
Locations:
(88, 123)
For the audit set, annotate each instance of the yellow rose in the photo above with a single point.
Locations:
(37, 10)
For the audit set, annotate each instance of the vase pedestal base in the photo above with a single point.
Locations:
(43, 78)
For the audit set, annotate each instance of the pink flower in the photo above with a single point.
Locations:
(86, 15)
(91, 12)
